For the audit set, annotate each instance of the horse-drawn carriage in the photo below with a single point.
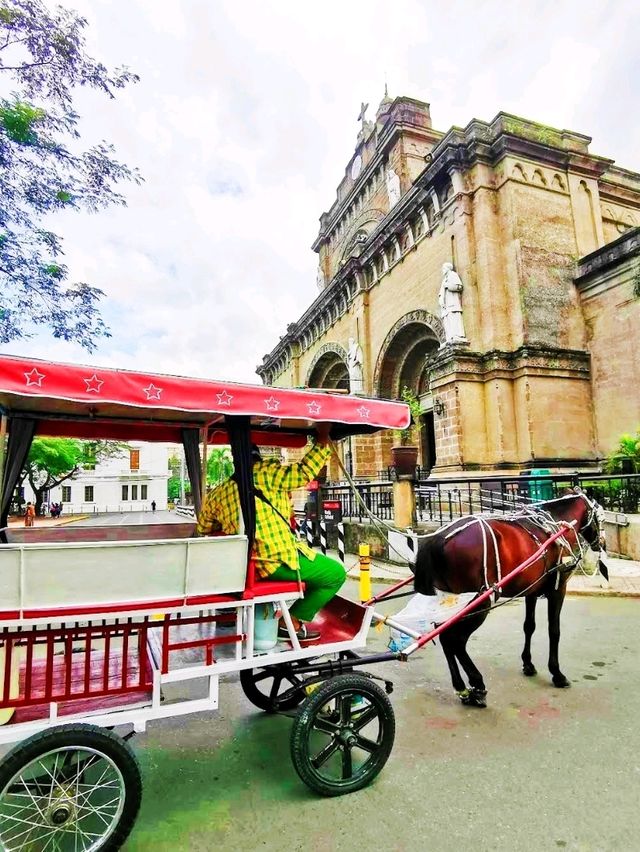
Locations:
(98, 634)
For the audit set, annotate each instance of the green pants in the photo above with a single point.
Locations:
(322, 577)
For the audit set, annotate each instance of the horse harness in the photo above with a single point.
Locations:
(541, 520)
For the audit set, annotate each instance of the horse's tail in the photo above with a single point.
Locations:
(430, 553)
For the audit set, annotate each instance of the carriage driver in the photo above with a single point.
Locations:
(278, 553)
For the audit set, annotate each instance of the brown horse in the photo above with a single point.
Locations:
(472, 554)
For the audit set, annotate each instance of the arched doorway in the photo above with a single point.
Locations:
(403, 362)
(328, 369)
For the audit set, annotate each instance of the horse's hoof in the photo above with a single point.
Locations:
(473, 697)
(529, 670)
(561, 682)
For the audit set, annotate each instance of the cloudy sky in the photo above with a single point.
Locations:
(245, 118)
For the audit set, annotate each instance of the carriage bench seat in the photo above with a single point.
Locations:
(58, 580)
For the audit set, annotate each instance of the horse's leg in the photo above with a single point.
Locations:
(448, 642)
(477, 689)
(555, 600)
(454, 644)
(529, 628)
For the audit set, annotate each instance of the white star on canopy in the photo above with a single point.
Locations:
(224, 398)
(363, 411)
(34, 378)
(272, 403)
(93, 384)
(152, 391)
(314, 408)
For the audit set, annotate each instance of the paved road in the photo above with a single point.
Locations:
(109, 519)
(539, 769)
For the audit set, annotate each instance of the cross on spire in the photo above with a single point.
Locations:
(363, 109)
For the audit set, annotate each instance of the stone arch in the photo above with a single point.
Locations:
(403, 355)
(329, 368)
(538, 177)
(519, 173)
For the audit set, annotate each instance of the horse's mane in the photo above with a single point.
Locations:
(429, 552)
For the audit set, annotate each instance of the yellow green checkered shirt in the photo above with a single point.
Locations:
(275, 543)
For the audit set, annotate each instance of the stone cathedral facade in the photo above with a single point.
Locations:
(541, 368)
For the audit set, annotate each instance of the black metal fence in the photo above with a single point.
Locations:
(377, 497)
(446, 499)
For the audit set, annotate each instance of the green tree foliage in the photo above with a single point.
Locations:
(43, 169)
(219, 465)
(52, 461)
(628, 448)
(409, 434)
(173, 488)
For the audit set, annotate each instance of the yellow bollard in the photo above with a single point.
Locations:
(365, 572)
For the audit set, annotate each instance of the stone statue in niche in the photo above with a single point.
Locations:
(450, 301)
(354, 365)
(393, 187)
(320, 278)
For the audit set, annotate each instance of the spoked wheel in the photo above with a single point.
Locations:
(273, 688)
(343, 735)
(74, 788)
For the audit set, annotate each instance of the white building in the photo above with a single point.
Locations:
(128, 483)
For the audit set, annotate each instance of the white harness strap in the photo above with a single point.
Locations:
(484, 526)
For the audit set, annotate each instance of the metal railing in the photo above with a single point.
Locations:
(444, 500)
(377, 496)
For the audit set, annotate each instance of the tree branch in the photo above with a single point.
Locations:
(26, 65)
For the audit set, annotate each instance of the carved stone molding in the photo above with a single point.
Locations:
(457, 363)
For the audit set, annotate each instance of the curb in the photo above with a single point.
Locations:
(603, 593)
(71, 519)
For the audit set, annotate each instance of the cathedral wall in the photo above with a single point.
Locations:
(546, 253)
(612, 318)
(560, 418)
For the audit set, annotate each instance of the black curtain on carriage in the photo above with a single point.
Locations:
(191, 444)
(21, 434)
(239, 431)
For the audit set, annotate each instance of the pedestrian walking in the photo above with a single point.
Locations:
(29, 515)
(153, 505)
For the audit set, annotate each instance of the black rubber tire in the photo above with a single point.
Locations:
(313, 711)
(263, 700)
(92, 737)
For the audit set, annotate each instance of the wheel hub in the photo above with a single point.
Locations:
(346, 736)
(61, 812)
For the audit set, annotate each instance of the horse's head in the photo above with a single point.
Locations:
(591, 528)
(590, 518)
(588, 515)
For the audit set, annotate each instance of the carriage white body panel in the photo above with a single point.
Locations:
(114, 574)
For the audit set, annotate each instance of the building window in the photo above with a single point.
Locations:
(134, 459)
(88, 494)
(66, 493)
(125, 492)
(134, 492)
(143, 492)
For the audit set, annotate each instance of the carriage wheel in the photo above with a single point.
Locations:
(343, 735)
(73, 787)
(264, 688)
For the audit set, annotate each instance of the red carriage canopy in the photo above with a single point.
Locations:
(87, 402)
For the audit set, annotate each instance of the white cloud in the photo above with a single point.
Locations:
(242, 125)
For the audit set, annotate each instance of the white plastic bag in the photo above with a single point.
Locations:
(417, 615)
(423, 612)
